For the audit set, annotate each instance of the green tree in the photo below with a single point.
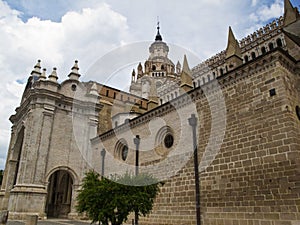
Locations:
(112, 200)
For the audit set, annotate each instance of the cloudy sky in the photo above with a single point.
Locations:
(60, 31)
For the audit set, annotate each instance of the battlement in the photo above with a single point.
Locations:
(262, 33)
(246, 44)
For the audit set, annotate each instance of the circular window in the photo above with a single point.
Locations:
(121, 150)
(168, 141)
(298, 112)
(124, 152)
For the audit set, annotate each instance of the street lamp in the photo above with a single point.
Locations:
(193, 124)
(103, 152)
(136, 141)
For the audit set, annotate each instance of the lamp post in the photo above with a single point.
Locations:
(193, 124)
(136, 141)
(103, 153)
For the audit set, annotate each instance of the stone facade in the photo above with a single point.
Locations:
(248, 142)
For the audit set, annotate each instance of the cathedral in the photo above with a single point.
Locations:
(246, 102)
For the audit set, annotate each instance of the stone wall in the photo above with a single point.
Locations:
(254, 177)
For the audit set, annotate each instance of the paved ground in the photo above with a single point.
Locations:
(52, 222)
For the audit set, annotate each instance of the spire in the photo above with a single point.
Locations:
(158, 36)
(74, 75)
(53, 76)
(233, 47)
(290, 13)
(186, 77)
(185, 67)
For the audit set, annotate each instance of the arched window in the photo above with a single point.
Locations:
(263, 50)
(172, 96)
(271, 45)
(208, 77)
(221, 71)
(253, 56)
(246, 58)
(203, 80)
(279, 42)
(162, 67)
(153, 67)
(214, 75)
(176, 95)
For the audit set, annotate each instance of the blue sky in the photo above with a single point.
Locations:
(60, 31)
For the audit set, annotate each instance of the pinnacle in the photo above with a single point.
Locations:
(185, 67)
(233, 47)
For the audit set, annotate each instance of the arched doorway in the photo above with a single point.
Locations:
(59, 194)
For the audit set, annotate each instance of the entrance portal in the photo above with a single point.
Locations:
(59, 194)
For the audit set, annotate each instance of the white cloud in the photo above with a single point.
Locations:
(265, 13)
(253, 2)
(83, 35)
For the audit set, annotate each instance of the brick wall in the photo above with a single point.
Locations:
(255, 176)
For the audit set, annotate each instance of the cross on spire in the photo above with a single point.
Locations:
(158, 36)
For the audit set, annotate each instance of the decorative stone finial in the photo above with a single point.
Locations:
(36, 72)
(94, 90)
(74, 75)
(53, 76)
(43, 75)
